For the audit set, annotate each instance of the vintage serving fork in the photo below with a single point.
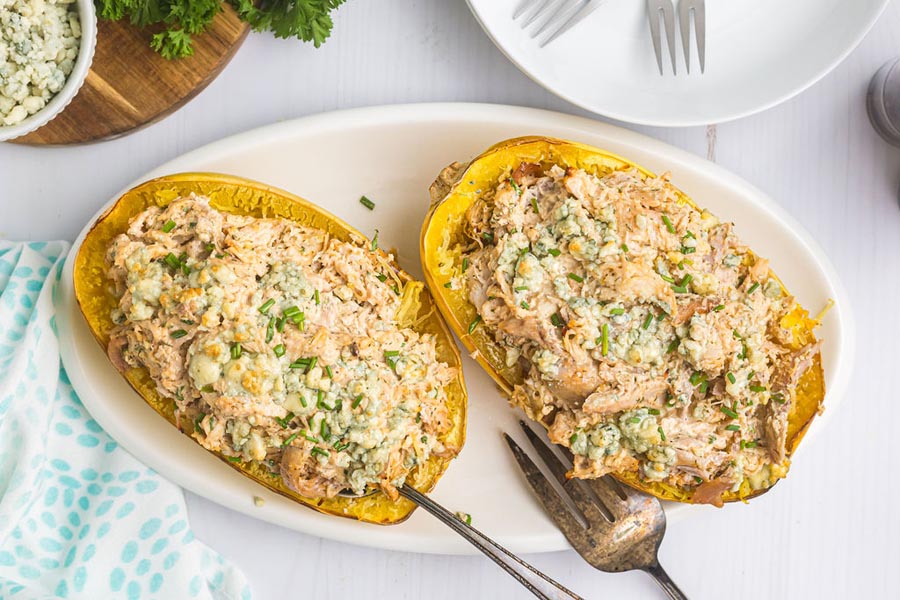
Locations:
(553, 16)
(664, 10)
(612, 526)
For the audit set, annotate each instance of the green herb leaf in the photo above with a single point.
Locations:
(169, 226)
(367, 203)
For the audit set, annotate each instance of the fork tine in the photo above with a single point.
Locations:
(582, 496)
(684, 21)
(578, 15)
(544, 490)
(669, 22)
(542, 10)
(524, 7)
(560, 13)
(700, 31)
(653, 9)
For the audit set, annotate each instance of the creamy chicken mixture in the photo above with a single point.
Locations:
(279, 345)
(649, 335)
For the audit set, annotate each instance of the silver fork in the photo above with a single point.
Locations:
(664, 10)
(554, 17)
(612, 526)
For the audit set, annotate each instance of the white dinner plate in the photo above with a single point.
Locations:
(758, 53)
(391, 154)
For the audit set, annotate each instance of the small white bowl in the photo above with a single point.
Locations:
(88, 17)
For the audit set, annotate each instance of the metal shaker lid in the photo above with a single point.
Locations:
(883, 102)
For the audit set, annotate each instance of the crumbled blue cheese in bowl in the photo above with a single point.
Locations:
(39, 45)
(279, 346)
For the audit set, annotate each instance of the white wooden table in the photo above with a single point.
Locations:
(830, 531)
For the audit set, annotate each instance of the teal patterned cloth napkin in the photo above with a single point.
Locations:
(79, 516)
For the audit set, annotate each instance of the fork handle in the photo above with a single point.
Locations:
(665, 582)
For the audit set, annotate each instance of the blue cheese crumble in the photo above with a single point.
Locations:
(39, 42)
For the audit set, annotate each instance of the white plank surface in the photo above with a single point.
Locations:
(828, 532)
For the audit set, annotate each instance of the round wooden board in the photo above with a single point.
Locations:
(130, 86)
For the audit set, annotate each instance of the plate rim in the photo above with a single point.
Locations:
(795, 91)
(455, 112)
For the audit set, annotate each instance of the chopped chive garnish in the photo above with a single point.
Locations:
(779, 398)
(172, 260)
(312, 361)
(520, 288)
(688, 250)
(465, 264)
(698, 479)
(733, 427)
(667, 279)
(728, 412)
(288, 441)
(356, 401)
(270, 329)
(423, 439)
(736, 335)
(236, 350)
(753, 288)
(381, 277)
(325, 431)
(660, 316)
(673, 345)
(515, 186)
(662, 435)
(329, 372)
(367, 203)
(748, 444)
(624, 248)
(319, 451)
(731, 377)
(576, 278)
(703, 387)
(573, 438)
(375, 241)
(300, 363)
(750, 375)
(688, 235)
(524, 305)
(474, 324)
(396, 289)
(653, 411)
(668, 223)
(647, 321)
(316, 297)
(278, 350)
(604, 339)
(634, 419)
(757, 388)
(534, 205)
(488, 237)
(557, 320)
(311, 438)
(169, 226)
(291, 311)
(264, 309)
(286, 420)
(391, 353)
(178, 333)
(207, 388)
(719, 307)
(553, 252)
(279, 324)
(340, 447)
(448, 285)
(234, 459)
(617, 311)
(697, 377)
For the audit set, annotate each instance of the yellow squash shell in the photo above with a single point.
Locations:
(244, 197)
(443, 238)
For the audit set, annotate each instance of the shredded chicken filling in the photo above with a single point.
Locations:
(279, 345)
(649, 335)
